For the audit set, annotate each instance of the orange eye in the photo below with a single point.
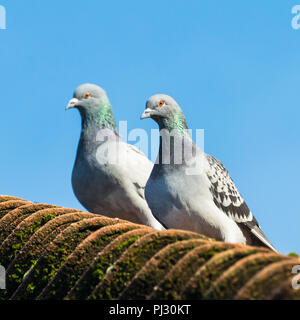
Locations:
(87, 95)
(161, 103)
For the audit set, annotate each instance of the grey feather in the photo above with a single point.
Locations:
(206, 201)
(109, 175)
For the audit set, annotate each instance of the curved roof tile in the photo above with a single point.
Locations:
(57, 253)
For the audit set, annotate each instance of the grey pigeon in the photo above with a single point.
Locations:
(109, 175)
(197, 191)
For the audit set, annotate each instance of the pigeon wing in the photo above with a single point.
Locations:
(228, 199)
(141, 165)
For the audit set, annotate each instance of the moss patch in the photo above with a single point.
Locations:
(236, 277)
(55, 255)
(80, 259)
(173, 283)
(157, 267)
(22, 233)
(134, 259)
(11, 220)
(198, 285)
(35, 247)
(293, 254)
(103, 263)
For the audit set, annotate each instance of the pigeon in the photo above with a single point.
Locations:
(191, 190)
(109, 175)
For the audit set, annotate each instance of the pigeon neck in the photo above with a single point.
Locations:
(176, 123)
(102, 118)
(98, 126)
(176, 147)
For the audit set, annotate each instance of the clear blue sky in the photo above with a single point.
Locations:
(232, 65)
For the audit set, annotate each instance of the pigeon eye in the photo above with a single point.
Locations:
(161, 103)
(87, 95)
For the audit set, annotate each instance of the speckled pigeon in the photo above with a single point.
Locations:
(109, 175)
(197, 191)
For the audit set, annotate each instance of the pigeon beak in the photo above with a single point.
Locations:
(72, 103)
(146, 114)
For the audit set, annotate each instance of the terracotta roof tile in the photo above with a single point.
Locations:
(79, 260)
(51, 252)
(11, 219)
(8, 198)
(8, 206)
(239, 273)
(178, 276)
(156, 268)
(134, 259)
(35, 247)
(103, 262)
(56, 253)
(201, 281)
(284, 291)
(268, 279)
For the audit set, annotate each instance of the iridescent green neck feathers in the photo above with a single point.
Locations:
(99, 117)
(176, 121)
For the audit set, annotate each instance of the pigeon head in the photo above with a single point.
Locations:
(93, 105)
(164, 110)
(88, 97)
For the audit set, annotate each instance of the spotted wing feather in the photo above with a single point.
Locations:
(228, 199)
